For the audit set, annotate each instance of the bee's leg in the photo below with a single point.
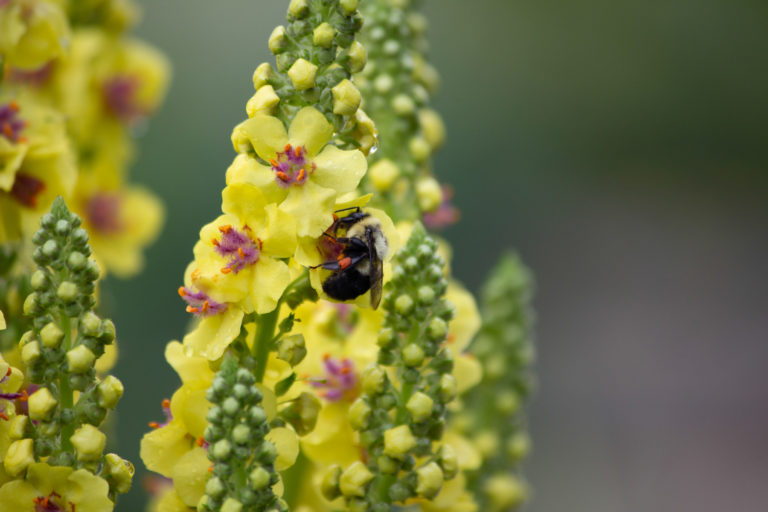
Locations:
(353, 243)
(356, 208)
(340, 264)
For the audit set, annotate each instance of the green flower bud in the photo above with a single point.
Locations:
(373, 379)
(90, 324)
(507, 402)
(302, 73)
(413, 355)
(77, 260)
(346, 98)
(438, 329)
(214, 487)
(420, 406)
(80, 359)
(41, 403)
(505, 491)
(518, 446)
(298, 8)
(262, 74)
(359, 412)
(383, 174)
(323, 35)
(18, 426)
(231, 505)
(118, 472)
(67, 291)
(330, 484)
(259, 478)
(354, 480)
(448, 387)
(30, 353)
(383, 83)
(292, 349)
(89, 443)
(349, 6)
(403, 105)
(426, 295)
(398, 441)
(449, 461)
(302, 413)
(404, 304)
(50, 248)
(429, 480)
(277, 40)
(399, 492)
(241, 434)
(263, 101)
(38, 280)
(62, 227)
(19, 456)
(487, 443)
(432, 128)
(357, 57)
(221, 450)
(31, 305)
(110, 390)
(387, 465)
(107, 331)
(420, 151)
(231, 406)
(428, 191)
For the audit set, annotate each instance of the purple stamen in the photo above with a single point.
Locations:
(291, 166)
(200, 304)
(120, 97)
(103, 212)
(10, 122)
(238, 247)
(340, 379)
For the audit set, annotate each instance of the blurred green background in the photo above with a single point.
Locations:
(620, 147)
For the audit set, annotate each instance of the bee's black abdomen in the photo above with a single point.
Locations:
(346, 284)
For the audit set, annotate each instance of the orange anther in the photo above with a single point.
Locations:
(200, 441)
(345, 370)
(215, 242)
(166, 403)
(4, 416)
(225, 229)
(241, 252)
(326, 356)
(283, 176)
(210, 469)
(206, 306)
(273, 162)
(8, 372)
(190, 309)
(226, 270)
(298, 151)
(24, 396)
(287, 148)
(7, 130)
(14, 105)
(154, 424)
(182, 291)
(302, 174)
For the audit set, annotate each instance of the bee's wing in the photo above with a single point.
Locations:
(377, 269)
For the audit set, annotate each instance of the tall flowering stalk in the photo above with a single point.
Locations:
(74, 86)
(52, 448)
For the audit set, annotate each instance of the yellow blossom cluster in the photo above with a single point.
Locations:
(74, 87)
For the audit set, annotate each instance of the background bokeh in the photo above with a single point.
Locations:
(620, 147)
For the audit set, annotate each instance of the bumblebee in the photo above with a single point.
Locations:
(358, 252)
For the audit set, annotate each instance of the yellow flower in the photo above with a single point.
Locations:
(121, 220)
(2, 321)
(302, 169)
(56, 488)
(32, 32)
(461, 330)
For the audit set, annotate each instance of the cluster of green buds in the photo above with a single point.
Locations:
(397, 84)
(494, 410)
(243, 460)
(317, 54)
(66, 400)
(401, 419)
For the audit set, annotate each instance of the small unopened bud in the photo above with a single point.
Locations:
(80, 359)
(302, 74)
(214, 487)
(346, 98)
(448, 387)
(432, 127)
(230, 406)
(19, 456)
(30, 352)
(430, 480)
(41, 403)
(357, 57)
(38, 280)
(119, 472)
(383, 174)
(31, 304)
(353, 481)
(302, 413)
(420, 406)
(323, 35)
(349, 6)
(449, 461)
(518, 446)
(426, 295)
(90, 324)
(262, 74)
(398, 441)
(18, 426)
(487, 443)
(298, 8)
(259, 478)
(413, 355)
(373, 379)
(505, 491)
(277, 40)
(438, 329)
(404, 304)
(429, 194)
(403, 105)
(67, 291)
(89, 443)
(359, 412)
(77, 260)
(231, 505)
(222, 449)
(110, 391)
(386, 337)
(262, 102)
(330, 484)
(383, 83)
(507, 402)
(50, 248)
(292, 349)
(241, 434)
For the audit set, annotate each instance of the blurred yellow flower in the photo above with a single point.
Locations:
(32, 32)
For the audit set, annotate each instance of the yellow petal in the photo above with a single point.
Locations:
(287, 443)
(246, 202)
(162, 447)
(190, 474)
(466, 323)
(469, 457)
(338, 169)
(279, 236)
(310, 129)
(2, 321)
(332, 441)
(246, 169)
(88, 492)
(270, 279)
(214, 333)
(468, 372)
(267, 135)
(187, 367)
(312, 207)
(190, 406)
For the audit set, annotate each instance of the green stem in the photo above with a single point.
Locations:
(263, 343)
(66, 397)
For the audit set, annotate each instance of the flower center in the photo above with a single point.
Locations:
(166, 412)
(238, 247)
(291, 166)
(120, 97)
(10, 122)
(200, 304)
(26, 189)
(34, 77)
(340, 379)
(48, 503)
(103, 212)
